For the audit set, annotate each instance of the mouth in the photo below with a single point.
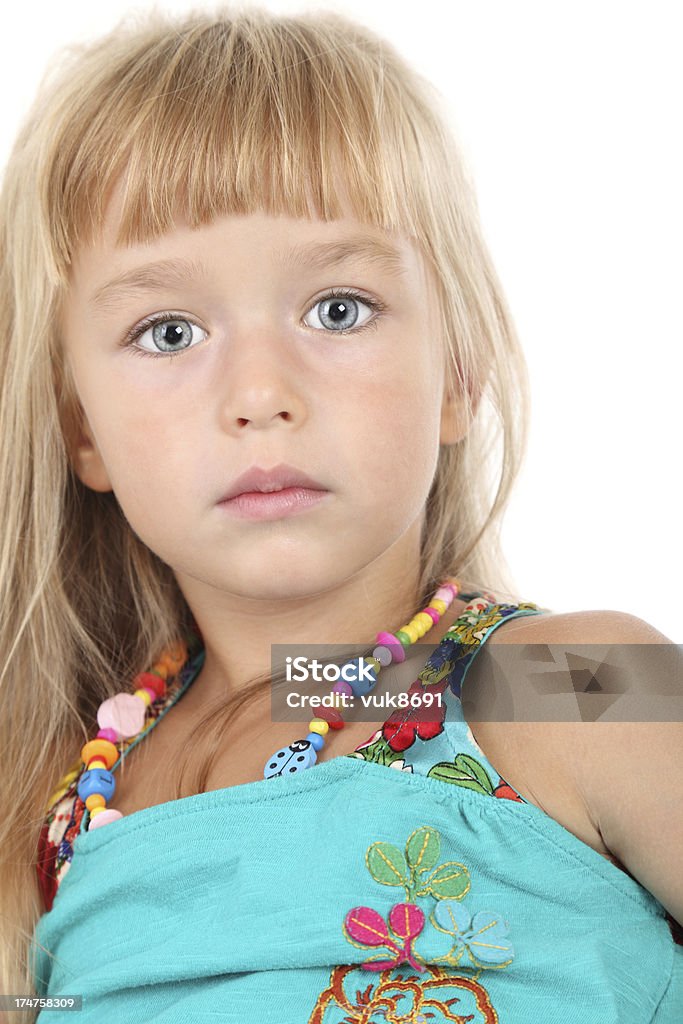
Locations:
(276, 504)
(269, 481)
(272, 493)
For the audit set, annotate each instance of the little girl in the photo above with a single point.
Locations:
(271, 212)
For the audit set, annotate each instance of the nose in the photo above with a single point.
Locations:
(263, 383)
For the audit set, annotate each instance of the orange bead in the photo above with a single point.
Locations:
(175, 657)
(95, 800)
(100, 748)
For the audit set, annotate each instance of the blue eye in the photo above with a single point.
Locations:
(166, 329)
(172, 332)
(339, 311)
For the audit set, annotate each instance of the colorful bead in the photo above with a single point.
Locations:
(316, 740)
(108, 734)
(393, 644)
(404, 638)
(424, 621)
(374, 663)
(318, 725)
(299, 755)
(95, 800)
(124, 713)
(410, 631)
(100, 748)
(175, 657)
(439, 605)
(145, 695)
(104, 817)
(383, 655)
(151, 681)
(96, 780)
(332, 717)
(341, 686)
(433, 614)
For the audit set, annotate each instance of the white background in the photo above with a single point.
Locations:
(569, 116)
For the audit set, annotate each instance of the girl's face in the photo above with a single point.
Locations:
(261, 374)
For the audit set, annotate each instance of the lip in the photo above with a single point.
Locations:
(289, 501)
(268, 480)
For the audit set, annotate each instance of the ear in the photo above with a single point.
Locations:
(458, 409)
(87, 461)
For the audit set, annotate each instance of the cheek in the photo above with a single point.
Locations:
(395, 424)
(146, 452)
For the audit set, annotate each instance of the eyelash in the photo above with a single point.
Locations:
(376, 305)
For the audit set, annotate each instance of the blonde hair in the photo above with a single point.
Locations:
(259, 112)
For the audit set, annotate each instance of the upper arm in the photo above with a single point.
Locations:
(628, 774)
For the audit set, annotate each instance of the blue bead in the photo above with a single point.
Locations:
(316, 740)
(296, 757)
(96, 780)
(351, 673)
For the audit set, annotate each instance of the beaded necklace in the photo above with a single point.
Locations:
(124, 715)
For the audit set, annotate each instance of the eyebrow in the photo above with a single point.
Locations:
(318, 256)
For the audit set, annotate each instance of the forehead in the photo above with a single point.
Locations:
(106, 267)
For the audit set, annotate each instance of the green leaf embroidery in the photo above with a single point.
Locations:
(387, 864)
(450, 880)
(465, 771)
(423, 848)
(380, 752)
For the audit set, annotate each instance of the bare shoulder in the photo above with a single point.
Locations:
(574, 633)
(618, 779)
(582, 627)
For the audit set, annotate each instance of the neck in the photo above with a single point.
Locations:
(238, 630)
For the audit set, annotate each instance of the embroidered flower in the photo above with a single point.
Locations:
(482, 935)
(408, 724)
(363, 926)
(416, 870)
(435, 997)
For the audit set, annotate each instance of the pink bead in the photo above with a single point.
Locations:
(104, 817)
(433, 614)
(394, 645)
(446, 594)
(125, 713)
(341, 686)
(152, 694)
(108, 734)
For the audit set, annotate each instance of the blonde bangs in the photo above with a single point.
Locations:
(232, 118)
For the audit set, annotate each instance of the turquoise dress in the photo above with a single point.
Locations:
(405, 883)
